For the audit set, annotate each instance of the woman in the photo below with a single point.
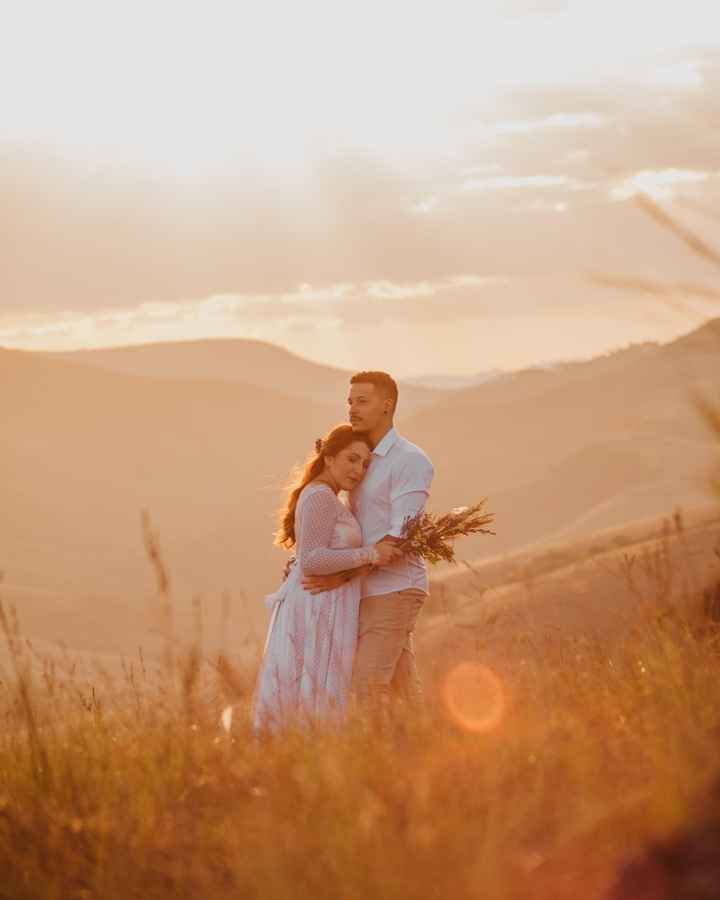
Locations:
(307, 664)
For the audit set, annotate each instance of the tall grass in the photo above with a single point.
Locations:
(130, 789)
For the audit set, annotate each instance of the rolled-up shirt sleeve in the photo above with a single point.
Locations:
(409, 491)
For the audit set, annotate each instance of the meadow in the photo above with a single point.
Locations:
(540, 781)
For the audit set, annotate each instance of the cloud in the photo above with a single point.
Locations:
(556, 120)
(510, 182)
(667, 116)
(86, 241)
(535, 194)
(531, 7)
(454, 325)
(660, 184)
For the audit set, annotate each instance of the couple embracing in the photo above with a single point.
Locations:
(341, 630)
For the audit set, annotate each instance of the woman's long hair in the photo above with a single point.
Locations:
(333, 443)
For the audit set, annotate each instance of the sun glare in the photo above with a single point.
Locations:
(192, 86)
(474, 697)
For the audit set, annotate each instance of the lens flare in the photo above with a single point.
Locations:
(474, 697)
(226, 718)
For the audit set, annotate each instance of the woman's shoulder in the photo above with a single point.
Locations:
(317, 487)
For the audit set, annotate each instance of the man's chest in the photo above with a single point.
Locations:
(373, 495)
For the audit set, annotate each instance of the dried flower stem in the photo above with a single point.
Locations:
(430, 535)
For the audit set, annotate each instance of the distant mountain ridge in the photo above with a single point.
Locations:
(453, 382)
(547, 446)
(558, 452)
(239, 360)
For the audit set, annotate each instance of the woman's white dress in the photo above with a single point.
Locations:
(307, 663)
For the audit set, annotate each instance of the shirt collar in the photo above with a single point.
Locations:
(387, 443)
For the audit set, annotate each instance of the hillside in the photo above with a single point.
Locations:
(559, 453)
(85, 450)
(568, 589)
(453, 382)
(580, 446)
(598, 586)
(243, 361)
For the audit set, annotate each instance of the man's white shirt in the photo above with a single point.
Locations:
(396, 486)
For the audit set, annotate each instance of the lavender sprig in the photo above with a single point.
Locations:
(430, 535)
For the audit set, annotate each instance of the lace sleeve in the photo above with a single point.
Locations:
(318, 514)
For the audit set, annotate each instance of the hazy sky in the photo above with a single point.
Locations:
(420, 187)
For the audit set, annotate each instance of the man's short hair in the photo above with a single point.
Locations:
(382, 381)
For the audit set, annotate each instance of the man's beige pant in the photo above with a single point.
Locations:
(384, 665)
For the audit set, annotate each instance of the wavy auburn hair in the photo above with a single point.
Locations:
(333, 443)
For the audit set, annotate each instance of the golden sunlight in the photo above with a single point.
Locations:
(195, 86)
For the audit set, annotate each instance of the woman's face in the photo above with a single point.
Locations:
(349, 466)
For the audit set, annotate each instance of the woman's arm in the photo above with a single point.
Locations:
(318, 514)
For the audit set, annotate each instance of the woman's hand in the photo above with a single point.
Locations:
(387, 552)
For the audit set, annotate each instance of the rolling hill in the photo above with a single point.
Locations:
(85, 450)
(559, 453)
(599, 586)
(579, 446)
(242, 361)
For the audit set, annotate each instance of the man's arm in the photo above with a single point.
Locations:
(318, 584)
(408, 495)
(409, 491)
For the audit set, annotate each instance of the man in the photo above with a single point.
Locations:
(396, 487)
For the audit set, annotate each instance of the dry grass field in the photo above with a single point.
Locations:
(547, 758)
(596, 586)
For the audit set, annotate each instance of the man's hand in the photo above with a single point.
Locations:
(318, 584)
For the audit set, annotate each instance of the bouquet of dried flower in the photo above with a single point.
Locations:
(430, 535)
